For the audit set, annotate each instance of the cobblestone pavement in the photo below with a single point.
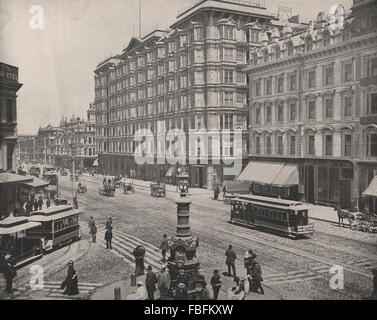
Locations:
(294, 268)
(291, 268)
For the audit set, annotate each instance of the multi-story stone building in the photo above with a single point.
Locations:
(190, 77)
(313, 109)
(9, 181)
(80, 133)
(26, 145)
(9, 87)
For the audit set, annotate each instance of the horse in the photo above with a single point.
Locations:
(342, 214)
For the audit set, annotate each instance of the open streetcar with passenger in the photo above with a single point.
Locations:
(14, 240)
(282, 216)
(59, 226)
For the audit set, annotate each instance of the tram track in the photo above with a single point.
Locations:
(316, 242)
(214, 240)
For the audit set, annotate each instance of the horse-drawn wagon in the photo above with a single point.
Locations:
(107, 191)
(81, 188)
(128, 187)
(366, 222)
(158, 190)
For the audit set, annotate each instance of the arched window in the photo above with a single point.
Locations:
(277, 52)
(290, 49)
(326, 39)
(309, 44)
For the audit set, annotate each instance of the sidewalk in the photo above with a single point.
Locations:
(107, 292)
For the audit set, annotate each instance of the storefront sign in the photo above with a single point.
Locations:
(8, 72)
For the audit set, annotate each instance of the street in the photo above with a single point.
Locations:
(291, 268)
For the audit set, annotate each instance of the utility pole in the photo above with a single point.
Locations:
(140, 18)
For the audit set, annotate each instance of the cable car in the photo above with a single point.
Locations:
(59, 226)
(283, 216)
(15, 241)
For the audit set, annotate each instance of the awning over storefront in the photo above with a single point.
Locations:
(172, 172)
(261, 172)
(372, 189)
(278, 174)
(9, 178)
(287, 177)
(36, 183)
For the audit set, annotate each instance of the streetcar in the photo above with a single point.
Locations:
(59, 226)
(14, 240)
(285, 217)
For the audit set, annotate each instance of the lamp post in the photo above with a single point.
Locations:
(183, 181)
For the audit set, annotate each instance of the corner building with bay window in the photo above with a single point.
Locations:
(313, 108)
(190, 77)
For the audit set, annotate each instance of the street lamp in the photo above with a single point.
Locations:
(183, 181)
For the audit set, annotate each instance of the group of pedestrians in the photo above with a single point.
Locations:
(108, 233)
(253, 271)
(36, 204)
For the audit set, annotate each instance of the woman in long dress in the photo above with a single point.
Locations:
(71, 282)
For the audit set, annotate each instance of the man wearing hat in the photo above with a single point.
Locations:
(230, 259)
(164, 282)
(216, 284)
(140, 293)
(249, 258)
(150, 283)
(164, 246)
(256, 273)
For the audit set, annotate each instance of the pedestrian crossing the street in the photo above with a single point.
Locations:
(123, 245)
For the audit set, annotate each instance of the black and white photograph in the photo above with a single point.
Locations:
(188, 150)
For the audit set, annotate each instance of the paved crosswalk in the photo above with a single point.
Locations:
(123, 245)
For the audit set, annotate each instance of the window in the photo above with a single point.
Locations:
(268, 145)
(311, 145)
(293, 82)
(257, 145)
(292, 113)
(268, 86)
(280, 111)
(347, 145)
(228, 76)
(311, 79)
(328, 108)
(347, 106)
(229, 98)
(257, 116)
(328, 144)
(371, 144)
(268, 114)
(348, 72)
(228, 54)
(372, 68)
(292, 145)
(311, 110)
(309, 44)
(329, 76)
(372, 104)
(280, 144)
(240, 56)
(228, 32)
(277, 52)
(10, 111)
(257, 88)
(290, 49)
(326, 39)
(280, 85)
(240, 97)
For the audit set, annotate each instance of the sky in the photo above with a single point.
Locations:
(56, 63)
